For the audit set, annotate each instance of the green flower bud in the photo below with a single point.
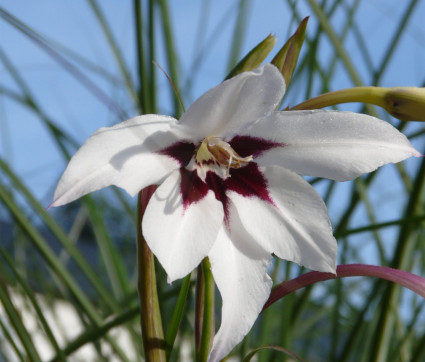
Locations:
(287, 57)
(406, 103)
(255, 57)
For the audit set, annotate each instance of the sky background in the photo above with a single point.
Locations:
(26, 145)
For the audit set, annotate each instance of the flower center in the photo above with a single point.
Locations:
(216, 151)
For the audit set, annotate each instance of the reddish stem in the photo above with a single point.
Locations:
(406, 279)
(150, 316)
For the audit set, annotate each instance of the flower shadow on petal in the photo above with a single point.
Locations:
(151, 144)
(169, 195)
(241, 239)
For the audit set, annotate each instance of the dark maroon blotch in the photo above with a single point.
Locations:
(192, 188)
(252, 146)
(180, 151)
(217, 185)
(248, 181)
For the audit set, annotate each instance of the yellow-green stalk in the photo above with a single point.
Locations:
(404, 103)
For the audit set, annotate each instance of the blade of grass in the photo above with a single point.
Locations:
(12, 342)
(48, 254)
(115, 49)
(152, 54)
(59, 136)
(239, 34)
(342, 54)
(30, 295)
(401, 260)
(395, 40)
(177, 315)
(56, 268)
(109, 254)
(18, 325)
(172, 57)
(57, 231)
(144, 87)
(63, 62)
(95, 333)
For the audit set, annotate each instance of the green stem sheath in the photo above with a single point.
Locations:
(204, 311)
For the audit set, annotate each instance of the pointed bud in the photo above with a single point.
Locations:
(287, 57)
(406, 103)
(255, 57)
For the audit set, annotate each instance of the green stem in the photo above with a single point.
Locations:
(333, 37)
(208, 311)
(144, 99)
(150, 316)
(171, 54)
(199, 309)
(114, 47)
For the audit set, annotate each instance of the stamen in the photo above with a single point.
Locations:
(216, 151)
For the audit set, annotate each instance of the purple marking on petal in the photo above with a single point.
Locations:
(180, 151)
(248, 181)
(218, 186)
(252, 146)
(192, 188)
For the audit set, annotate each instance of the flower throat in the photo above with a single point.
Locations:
(215, 150)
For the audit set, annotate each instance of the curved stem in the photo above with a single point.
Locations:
(406, 279)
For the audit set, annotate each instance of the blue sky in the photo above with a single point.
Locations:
(25, 143)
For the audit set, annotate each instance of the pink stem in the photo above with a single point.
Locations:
(406, 279)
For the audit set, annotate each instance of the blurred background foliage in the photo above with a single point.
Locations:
(68, 275)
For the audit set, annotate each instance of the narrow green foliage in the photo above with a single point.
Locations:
(377, 219)
(38, 309)
(177, 315)
(208, 315)
(17, 324)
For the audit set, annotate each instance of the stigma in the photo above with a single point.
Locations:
(215, 152)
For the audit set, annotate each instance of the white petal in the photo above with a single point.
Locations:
(122, 155)
(295, 227)
(235, 102)
(180, 237)
(239, 270)
(331, 144)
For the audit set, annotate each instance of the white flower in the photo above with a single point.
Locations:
(229, 185)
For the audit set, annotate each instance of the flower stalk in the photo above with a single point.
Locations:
(404, 103)
(401, 277)
(150, 316)
(205, 323)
